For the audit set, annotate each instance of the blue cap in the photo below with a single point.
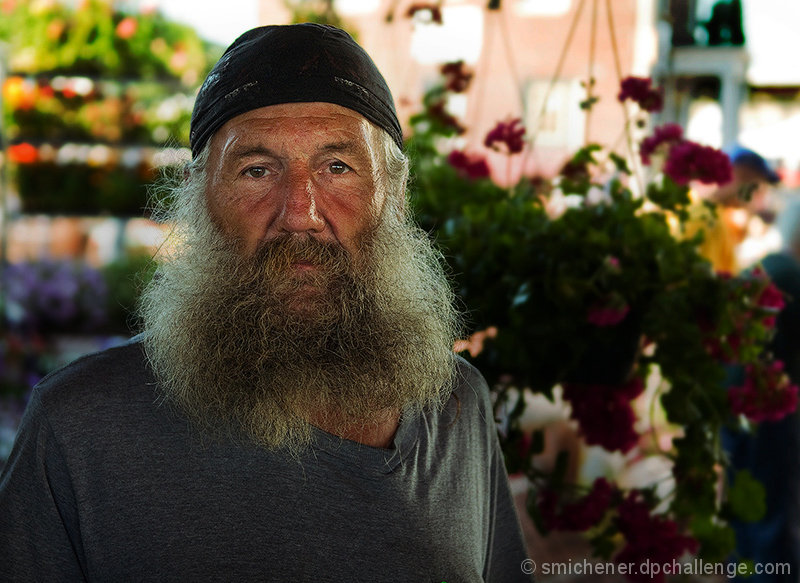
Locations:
(745, 158)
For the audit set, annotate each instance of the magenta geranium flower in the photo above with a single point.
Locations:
(641, 91)
(506, 137)
(649, 538)
(688, 161)
(457, 76)
(472, 166)
(667, 134)
(579, 515)
(604, 413)
(766, 393)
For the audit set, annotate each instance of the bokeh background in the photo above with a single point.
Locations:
(97, 96)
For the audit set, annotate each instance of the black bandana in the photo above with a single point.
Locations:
(297, 63)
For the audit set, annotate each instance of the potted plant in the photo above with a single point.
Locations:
(583, 283)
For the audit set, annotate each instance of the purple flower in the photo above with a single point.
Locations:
(639, 90)
(48, 294)
(669, 133)
(457, 76)
(472, 166)
(688, 161)
(508, 134)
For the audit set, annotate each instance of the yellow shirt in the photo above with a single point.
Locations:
(721, 235)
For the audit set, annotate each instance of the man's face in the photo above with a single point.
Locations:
(301, 289)
(305, 170)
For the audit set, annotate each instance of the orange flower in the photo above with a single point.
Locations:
(23, 153)
(126, 27)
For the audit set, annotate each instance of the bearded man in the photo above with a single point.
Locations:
(292, 410)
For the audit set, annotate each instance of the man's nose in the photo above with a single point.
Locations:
(300, 213)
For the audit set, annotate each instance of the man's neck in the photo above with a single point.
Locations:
(378, 433)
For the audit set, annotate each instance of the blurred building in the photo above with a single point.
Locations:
(532, 59)
(724, 66)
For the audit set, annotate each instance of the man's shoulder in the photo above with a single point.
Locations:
(114, 375)
(471, 392)
(469, 382)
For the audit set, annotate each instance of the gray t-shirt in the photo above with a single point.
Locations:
(105, 484)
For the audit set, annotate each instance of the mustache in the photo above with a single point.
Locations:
(286, 251)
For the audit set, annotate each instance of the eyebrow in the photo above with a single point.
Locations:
(345, 147)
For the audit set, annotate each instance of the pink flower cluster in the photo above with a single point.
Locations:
(649, 537)
(667, 135)
(690, 161)
(771, 299)
(472, 166)
(457, 76)
(604, 413)
(509, 134)
(640, 90)
(766, 395)
(579, 515)
(686, 160)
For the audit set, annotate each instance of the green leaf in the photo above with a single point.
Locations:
(619, 162)
(746, 497)
(717, 541)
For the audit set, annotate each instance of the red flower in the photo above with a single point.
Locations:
(23, 153)
(649, 538)
(771, 297)
(579, 515)
(766, 394)
(457, 76)
(639, 89)
(690, 161)
(509, 134)
(771, 301)
(605, 315)
(472, 166)
(669, 133)
(433, 9)
(604, 413)
(126, 27)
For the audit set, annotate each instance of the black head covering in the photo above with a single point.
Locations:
(295, 63)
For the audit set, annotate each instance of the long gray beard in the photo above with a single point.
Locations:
(250, 345)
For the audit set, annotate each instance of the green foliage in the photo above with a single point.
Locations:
(80, 189)
(746, 497)
(54, 37)
(126, 278)
(538, 273)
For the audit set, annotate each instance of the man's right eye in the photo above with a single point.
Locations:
(256, 172)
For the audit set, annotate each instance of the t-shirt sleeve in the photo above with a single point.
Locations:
(506, 548)
(39, 534)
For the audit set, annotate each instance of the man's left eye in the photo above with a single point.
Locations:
(338, 167)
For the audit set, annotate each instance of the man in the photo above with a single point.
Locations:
(771, 452)
(743, 197)
(293, 410)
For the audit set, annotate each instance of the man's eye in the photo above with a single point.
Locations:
(338, 167)
(256, 172)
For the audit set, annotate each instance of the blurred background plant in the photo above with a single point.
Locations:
(582, 291)
(96, 98)
(585, 290)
